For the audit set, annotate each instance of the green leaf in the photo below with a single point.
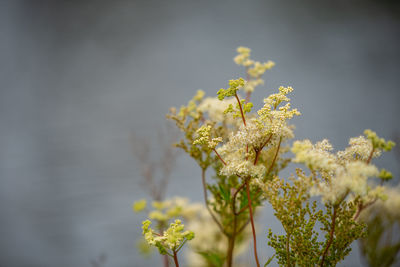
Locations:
(212, 258)
(269, 260)
(225, 193)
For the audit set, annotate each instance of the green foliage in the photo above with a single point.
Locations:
(234, 86)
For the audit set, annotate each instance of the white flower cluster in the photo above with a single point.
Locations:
(315, 157)
(255, 69)
(359, 149)
(342, 175)
(172, 208)
(250, 85)
(238, 160)
(388, 207)
(215, 109)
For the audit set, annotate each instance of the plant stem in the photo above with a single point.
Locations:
(370, 156)
(252, 222)
(176, 259)
(165, 260)
(203, 179)
(219, 156)
(330, 236)
(231, 243)
(241, 110)
(276, 155)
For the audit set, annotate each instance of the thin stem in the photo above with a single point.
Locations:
(330, 236)
(370, 155)
(219, 156)
(176, 259)
(361, 207)
(232, 237)
(165, 260)
(252, 222)
(164, 257)
(258, 150)
(203, 179)
(248, 95)
(234, 199)
(183, 243)
(231, 244)
(241, 110)
(276, 155)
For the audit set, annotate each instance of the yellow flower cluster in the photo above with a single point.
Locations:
(171, 239)
(255, 69)
(204, 137)
(274, 117)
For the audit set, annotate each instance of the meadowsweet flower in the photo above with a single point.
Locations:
(378, 143)
(204, 137)
(274, 117)
(243, 57)
(359, 148)
(215, 108)
(250, 85)
(315, 157)
(238, 160)
(259, 68)
(171, 239)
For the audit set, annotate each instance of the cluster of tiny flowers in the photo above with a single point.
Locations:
(379, 143)
(204, 137)
(354, 177)
(252, 134)
(234, 86)
(315, 157)
(273, 117)
(359, 149)
(191, 108)
(341, 177)
(259, 68)
(237, 160)
(163, 211)
(390, 205)
(215, 109)
(255, 69)
(172, 238)
(250, 85)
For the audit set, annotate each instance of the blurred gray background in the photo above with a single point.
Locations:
(77, 78)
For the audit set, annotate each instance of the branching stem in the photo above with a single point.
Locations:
(219, 156)
(203, 179)
(252, 222)
(241, 110)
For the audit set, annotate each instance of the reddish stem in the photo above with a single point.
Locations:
(241, 110)
(276, 155)
(252, 222)
(330, 237)
(219, 156)
(370, 155)
(176, 259)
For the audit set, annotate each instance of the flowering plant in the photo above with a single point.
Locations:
(319, 206)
